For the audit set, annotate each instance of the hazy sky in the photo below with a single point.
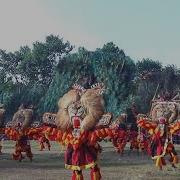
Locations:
(143, 28)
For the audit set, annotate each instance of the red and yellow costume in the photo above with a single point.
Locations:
(132, 139)
(22, 138)
(82, 152)
(18, 130)
(120, 138)
(124, 135)
(79, 128)
(161, 143)
(144, 141)
(43, 141)
(22, 145)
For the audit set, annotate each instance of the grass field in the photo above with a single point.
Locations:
(50, 165)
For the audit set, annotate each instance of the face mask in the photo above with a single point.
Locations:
(76, 121)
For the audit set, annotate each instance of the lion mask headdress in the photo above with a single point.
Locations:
(81, 107)
(23, 117)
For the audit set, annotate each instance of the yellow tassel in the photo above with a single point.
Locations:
(158, 162)
(96, 176)
(175, 159)
(78, 176)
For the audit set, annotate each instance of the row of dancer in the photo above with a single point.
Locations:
(81, 123)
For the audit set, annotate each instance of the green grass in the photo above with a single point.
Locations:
(50, 165)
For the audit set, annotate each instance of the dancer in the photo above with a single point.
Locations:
(44, 141)
(119, 139)
(81, 123)
(161, 144)
(19, 131)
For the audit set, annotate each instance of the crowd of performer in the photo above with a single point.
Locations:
(81, 123)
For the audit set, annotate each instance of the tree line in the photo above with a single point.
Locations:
(42, 74)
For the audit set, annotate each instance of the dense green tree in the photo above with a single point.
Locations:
(42, 74)
(26, 74)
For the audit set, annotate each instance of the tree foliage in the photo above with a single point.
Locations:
(42, 74)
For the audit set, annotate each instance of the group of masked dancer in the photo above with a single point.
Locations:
(81, 123)
(129, 134)
(21, 130)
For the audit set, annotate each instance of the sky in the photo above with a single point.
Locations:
(142, 28)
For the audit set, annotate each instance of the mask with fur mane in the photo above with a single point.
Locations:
(84, 107)
(23, 117)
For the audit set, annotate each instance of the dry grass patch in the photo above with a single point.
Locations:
(50, 166)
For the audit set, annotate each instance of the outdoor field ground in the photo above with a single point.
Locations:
(50, 165)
